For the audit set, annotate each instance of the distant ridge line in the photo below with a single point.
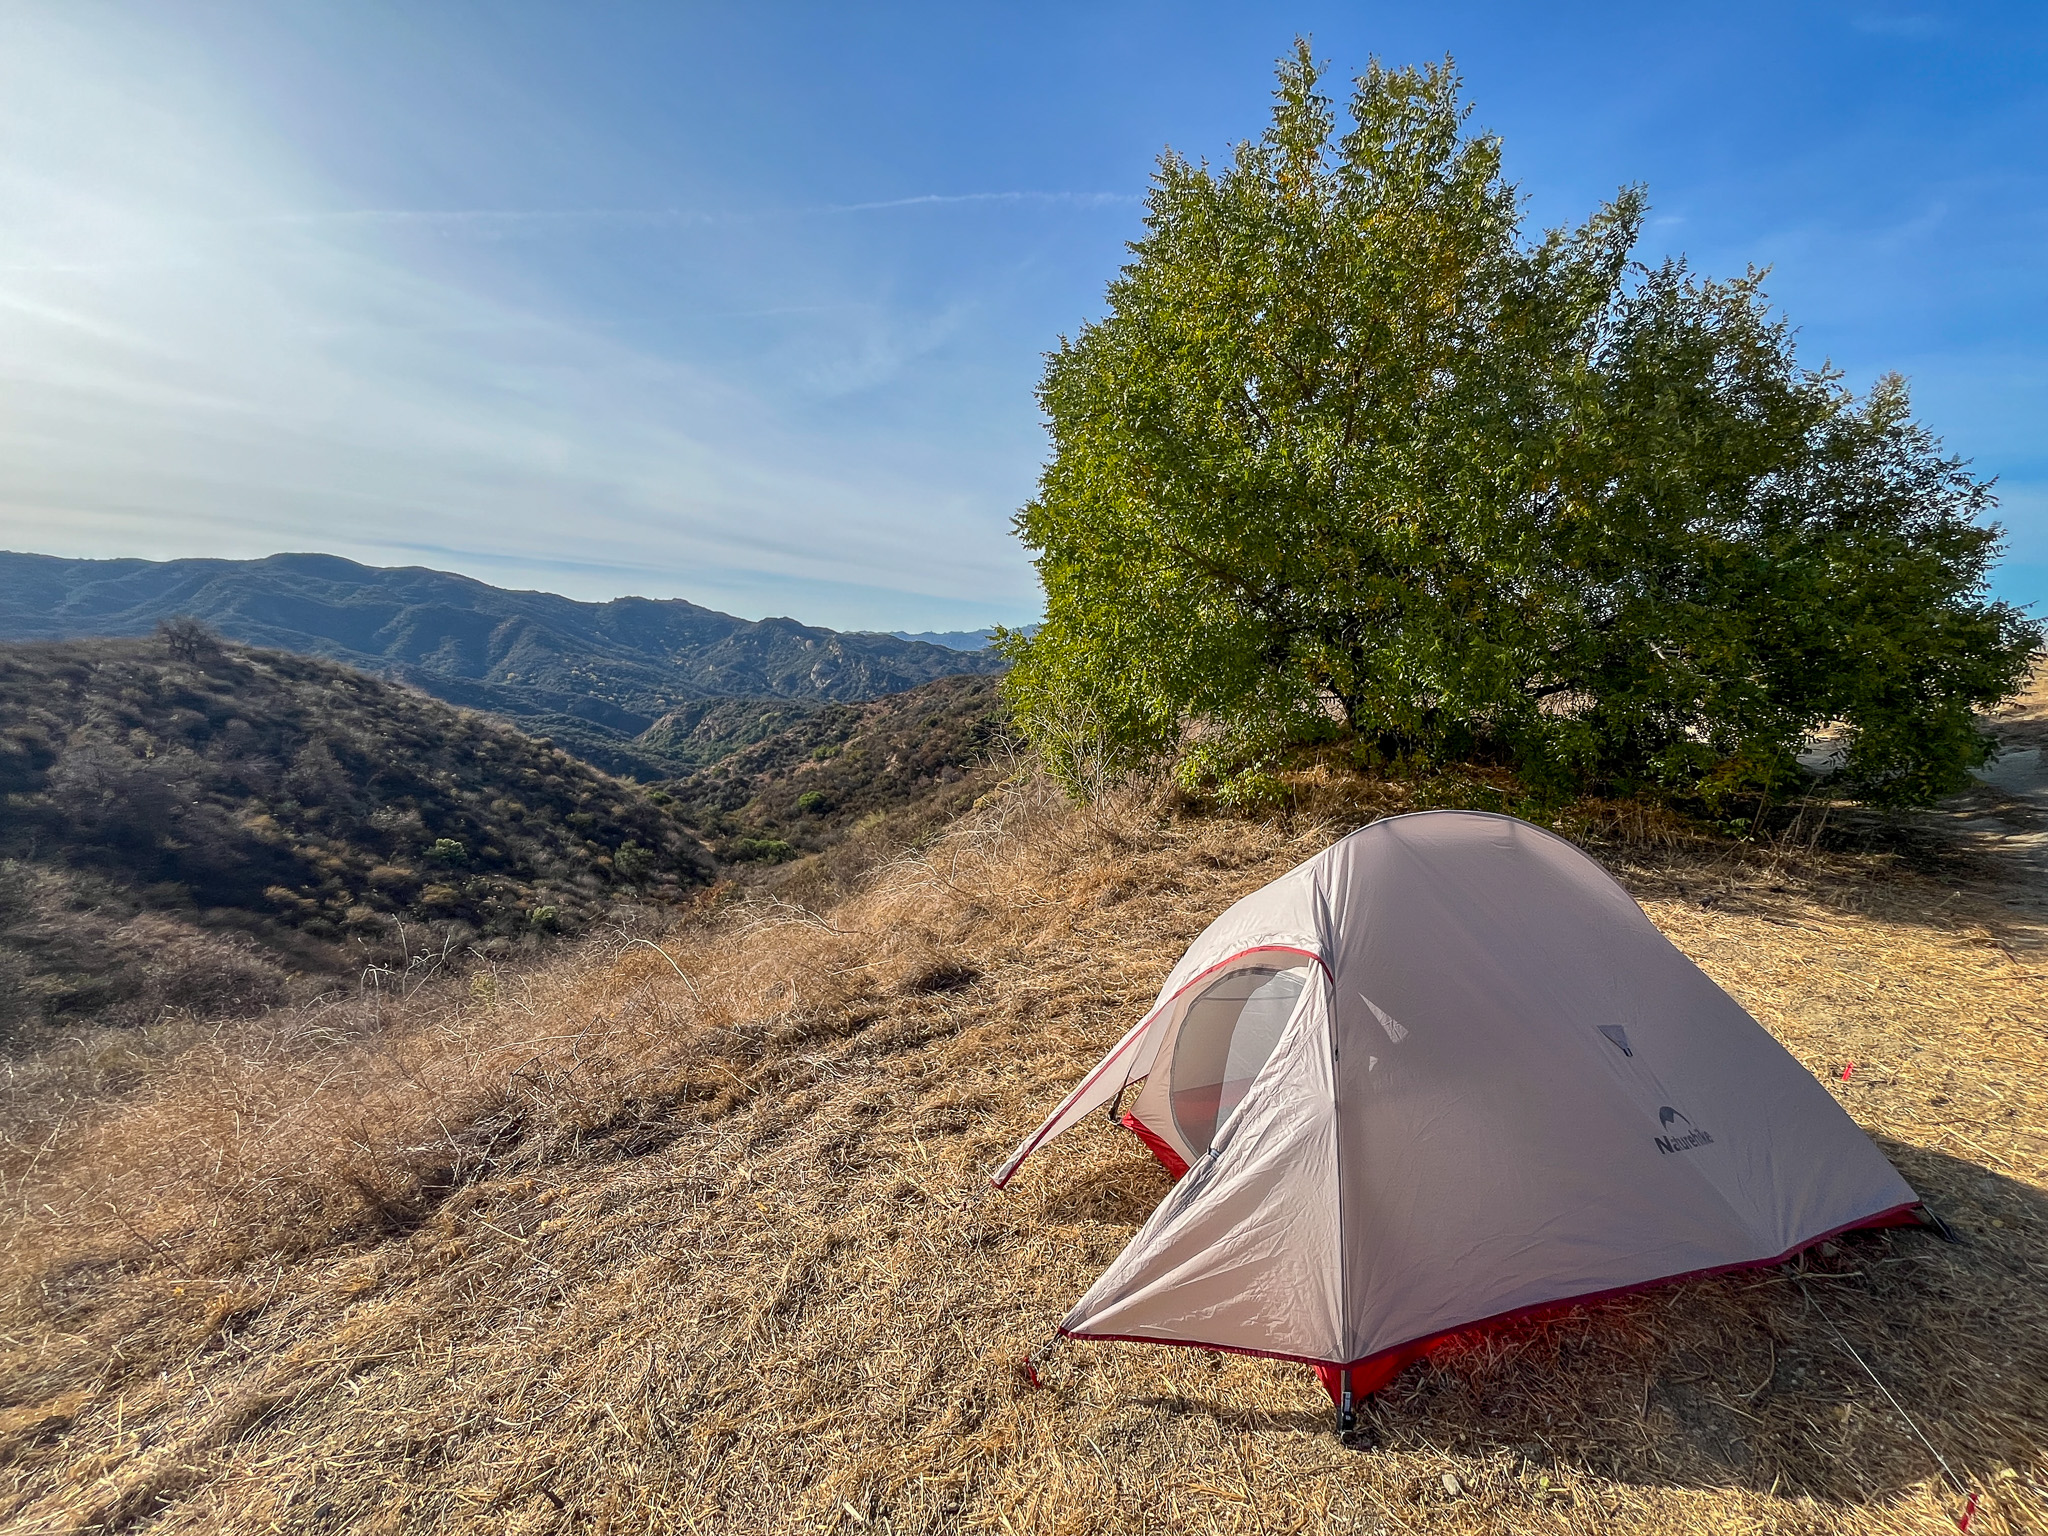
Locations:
(618, 666)
(959, 639)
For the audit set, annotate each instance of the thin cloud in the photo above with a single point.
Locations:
(932, 199)
(317, 218)
(659, 217)
(182, 375)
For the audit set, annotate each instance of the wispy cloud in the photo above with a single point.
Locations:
(1046, 199)
(182, 372)
(545, 219)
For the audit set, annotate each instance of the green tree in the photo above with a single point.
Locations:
(1347, 453)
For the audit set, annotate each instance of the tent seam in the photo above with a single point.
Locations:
(1337, 1148)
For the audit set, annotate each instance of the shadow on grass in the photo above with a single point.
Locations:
(1746, 1379)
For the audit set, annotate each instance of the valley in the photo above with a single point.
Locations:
(639, 687)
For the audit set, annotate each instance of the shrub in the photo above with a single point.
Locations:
(275, 792)
(188, 640)
(1347, 453)
(1210, 773)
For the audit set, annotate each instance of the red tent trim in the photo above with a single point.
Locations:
(1158, 1145)
(1370, 1373)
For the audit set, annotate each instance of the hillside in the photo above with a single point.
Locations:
(699, 1239)
(705, 730)
(187, 830)
(917, 757)
(596, 675)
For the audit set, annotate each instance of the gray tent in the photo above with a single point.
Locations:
(1445, 1074)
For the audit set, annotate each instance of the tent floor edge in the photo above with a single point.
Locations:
(1366, 1376)
(1361, 1379)
(1169, 1159)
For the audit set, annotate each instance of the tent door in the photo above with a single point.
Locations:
(1223, 1042)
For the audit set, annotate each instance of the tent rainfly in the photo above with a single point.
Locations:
(1444, 1075)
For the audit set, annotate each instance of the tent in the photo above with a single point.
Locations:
(1444, 1075)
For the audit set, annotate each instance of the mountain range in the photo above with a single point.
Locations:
(640, 686)
(955, 639)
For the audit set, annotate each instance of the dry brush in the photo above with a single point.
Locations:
(691, 1234)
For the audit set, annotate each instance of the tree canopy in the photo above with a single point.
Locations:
(1348, 454)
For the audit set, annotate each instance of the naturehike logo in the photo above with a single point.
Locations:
(1693, 1137)
(1396, 1030)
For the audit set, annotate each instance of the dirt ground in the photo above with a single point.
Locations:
(697, 1238)
(2004, 822)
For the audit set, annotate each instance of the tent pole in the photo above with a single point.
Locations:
(1344, 1416)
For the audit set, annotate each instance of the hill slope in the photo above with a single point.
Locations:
(700, 1240)
(617, 666)
(291, 801)
(923, 754)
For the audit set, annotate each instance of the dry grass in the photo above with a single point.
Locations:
(695, 1238)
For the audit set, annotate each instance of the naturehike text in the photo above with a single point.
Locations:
(1684, 1143)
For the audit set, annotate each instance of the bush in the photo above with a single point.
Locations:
(1346, 454)
(1209, 773)
(188, 640)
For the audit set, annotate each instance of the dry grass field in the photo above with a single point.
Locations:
(695, 1237)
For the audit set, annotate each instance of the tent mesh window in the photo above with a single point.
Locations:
(1228, 1033)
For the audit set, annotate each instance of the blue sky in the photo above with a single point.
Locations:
(745, 304)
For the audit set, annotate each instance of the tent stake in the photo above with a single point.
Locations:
(1345, 1419)
(1930, 1218)
(1040, 1356)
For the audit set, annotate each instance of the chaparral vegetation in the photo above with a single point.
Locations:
(699, 1237)
(191, 823)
